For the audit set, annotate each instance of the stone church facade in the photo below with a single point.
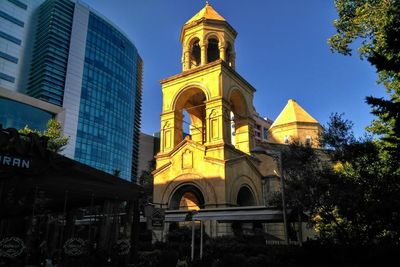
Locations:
(211, 167)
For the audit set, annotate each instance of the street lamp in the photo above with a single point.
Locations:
(277, 156)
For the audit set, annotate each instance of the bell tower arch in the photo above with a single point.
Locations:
(207, 37)
(217, 103)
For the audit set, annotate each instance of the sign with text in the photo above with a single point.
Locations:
(157, 218)
(11, 247)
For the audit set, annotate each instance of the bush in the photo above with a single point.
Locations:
(233, 260)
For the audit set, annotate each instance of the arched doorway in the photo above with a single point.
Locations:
(245, 197)
(187, 197)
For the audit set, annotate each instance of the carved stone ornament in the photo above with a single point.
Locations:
(187, 159)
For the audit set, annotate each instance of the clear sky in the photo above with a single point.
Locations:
(281, 49)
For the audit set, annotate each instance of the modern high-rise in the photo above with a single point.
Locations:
(17, 27)
(85, 64)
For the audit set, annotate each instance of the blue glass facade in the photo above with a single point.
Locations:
(51, 50)
(109, 113)
(16, 115)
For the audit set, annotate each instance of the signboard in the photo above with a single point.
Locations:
(24, 153)
(16, 162)
(157, 218)
(11, 247)
(75, 247)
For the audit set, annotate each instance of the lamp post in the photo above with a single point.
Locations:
(283, 197)
(277, 156)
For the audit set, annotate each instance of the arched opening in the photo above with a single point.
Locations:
(190, 107)
(245, 197)
(228, 54)
(195, 57)
(186, 123)
(239, 119)
(187, 197)
(212, 50)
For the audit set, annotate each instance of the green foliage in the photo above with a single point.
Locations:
(369, 171)
(57, 141)
(377, 24)
(337, 134)
(351, 193)
(146, 180)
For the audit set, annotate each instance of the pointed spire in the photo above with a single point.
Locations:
(208, 12)
(293, 112)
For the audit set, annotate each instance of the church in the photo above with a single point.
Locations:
(216, 166)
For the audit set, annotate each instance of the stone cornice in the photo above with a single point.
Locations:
(208, 66)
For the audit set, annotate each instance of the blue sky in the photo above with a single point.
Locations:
(281, 50)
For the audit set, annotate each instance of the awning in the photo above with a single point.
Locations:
(244, 214)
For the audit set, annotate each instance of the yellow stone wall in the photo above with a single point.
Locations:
(213, 165)
(295, 132)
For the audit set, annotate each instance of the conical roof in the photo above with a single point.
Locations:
(208, 12)
(293, 112)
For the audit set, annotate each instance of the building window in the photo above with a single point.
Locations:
(7, 77)
(10, 38)
(286, 139)
(4, 15)
(308, 140)
(19, 4)
(8, 57)
(265, 133)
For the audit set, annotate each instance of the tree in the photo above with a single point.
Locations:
(371, 167)
(146, 180)
(57, 141)
(377, 24)
(350, 191)
(337, 134)
(364, 190)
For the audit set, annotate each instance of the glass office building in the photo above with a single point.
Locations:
(17, 23)
(81, 62)
(51, 51)
(14, 114)
(109, 95)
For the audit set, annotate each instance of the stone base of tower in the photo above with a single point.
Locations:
(207, 177)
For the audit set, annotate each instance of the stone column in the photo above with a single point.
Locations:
(244, 140)
(233, 59)
(171, 130)
(203, 53)
(218, 122)
(222, 54)
(186, 60)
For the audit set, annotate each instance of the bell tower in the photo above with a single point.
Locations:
(211, 165)
(207, 37)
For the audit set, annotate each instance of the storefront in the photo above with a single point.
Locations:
(54, 208)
